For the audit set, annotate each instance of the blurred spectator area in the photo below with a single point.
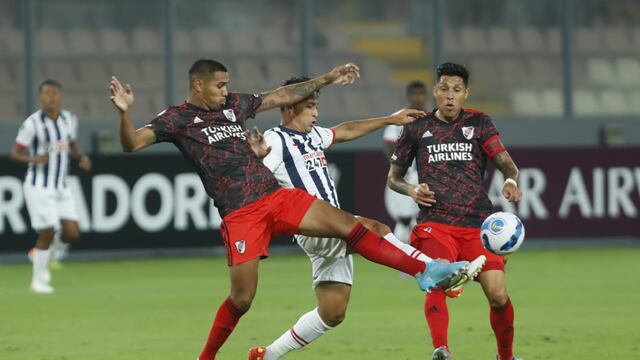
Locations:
(514, 71)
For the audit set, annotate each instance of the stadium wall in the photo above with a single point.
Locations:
(157, 201)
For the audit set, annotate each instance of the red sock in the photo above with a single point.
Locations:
(226, 319)
(502, 323)
(377, 249)
(437, 314)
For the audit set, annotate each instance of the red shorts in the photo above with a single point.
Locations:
(454, 243)
(247, 231)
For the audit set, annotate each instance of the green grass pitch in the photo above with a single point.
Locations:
(570, 304)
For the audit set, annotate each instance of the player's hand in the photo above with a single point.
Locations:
(405, 116)
(121, 96)
(41, 159)
(511, 192)
(257, 142)
(345, 74)
(85, 163)
(422, 195)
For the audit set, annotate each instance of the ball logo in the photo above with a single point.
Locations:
(240, 246)
(496, 226)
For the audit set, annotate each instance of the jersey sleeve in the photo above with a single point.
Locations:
(274, 158)
(406, 147)
(490, 138)
(163, 126)
(246, 104)
(73, 127)
(26, 133)
(326, 136)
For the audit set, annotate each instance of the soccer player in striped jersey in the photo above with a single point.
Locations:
(451, 146)
(209, 129)
(45, 141)
(298, 161)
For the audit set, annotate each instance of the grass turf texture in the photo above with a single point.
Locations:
(570, 304)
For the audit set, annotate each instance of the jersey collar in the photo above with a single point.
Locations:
(292, 132)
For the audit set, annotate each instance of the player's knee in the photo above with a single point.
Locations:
(382, 229)
(497, 296)
(243, 299)
(335, 316)
(71, 235)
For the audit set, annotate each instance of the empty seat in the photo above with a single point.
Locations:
(601, 71)
(484, 71)
(633, 99)
(588, 40)
(553, 40)
(183, 41)
(617, 39)
(276, 40)
(95, 74)
(330, 107)
(501, 39)
(209, 41)
(513, 71)
(100, 108)
(128, 71)
(113, 41)
(76, 103)
(336, 40)
(13, 41)
(51, 42)
(244, 42)
(62, 71)
(7, 78)
(552, 102)
(628, 69)
(358, 103)
(83, 41)
(451, 41)
(249, 74)
(525, 102)
(146, 41)
(545, 71)
(473, 39)
(531, 39)
(375, 72)
(279, 70)
(614, 102)
(9, 110)
(585, 102)
(152, 73)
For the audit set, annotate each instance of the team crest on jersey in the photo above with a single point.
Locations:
(467, 132)
(230, 115)
(241, 246)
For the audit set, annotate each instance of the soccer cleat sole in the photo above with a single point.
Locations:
(456, 280)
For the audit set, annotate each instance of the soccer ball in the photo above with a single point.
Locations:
(502, 233)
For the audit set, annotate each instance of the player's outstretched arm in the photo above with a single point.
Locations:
(351, 130)
(508, 168)
(419, 193)
(130, 139)
(294, 93)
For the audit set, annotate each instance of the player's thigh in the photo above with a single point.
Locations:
(374, 225)
(435, 242)
(244, 282)
(494, 286)
(324, 220)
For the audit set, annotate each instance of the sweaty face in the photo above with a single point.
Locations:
(450, 93)
(50, 98)
(305, 114)
(417, 98)
(214, 90)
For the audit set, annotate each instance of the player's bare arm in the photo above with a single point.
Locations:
(294, 93)
(258, 143)
(419, 193)
(84, 162)
(508, 168)
(19, 153)
(130, 139)
(351, 130)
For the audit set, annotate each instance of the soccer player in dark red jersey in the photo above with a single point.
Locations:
(451, 146)
(209, 130)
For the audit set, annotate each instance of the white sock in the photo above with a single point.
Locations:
(58, 247)
(40, 264)
(407, 249)
(308, 328)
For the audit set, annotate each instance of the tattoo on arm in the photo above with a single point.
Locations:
(505, 164)
(396, 181)
(291, 94)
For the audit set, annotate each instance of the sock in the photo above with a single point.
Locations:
(502, 323)
(437, 314)
(402, 232)
(308, 328)
(406, 248)
(58, 247)
(376, 249)
(226, 320)
(40, 264)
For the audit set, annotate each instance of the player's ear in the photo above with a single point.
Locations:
(466, 93)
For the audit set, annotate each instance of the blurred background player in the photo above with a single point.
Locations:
(44, 142)
(401, 208)
(451, 146)
(297, 160)
(209, 129)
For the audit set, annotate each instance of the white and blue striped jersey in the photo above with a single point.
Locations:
(297, 160)
(52, 137)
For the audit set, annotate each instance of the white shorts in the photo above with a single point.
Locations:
(331, 269)
(47, 206)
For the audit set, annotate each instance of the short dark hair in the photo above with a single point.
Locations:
(50, 82)
(297, 80)
(416, 85)
(204, 67)
(452, 69)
